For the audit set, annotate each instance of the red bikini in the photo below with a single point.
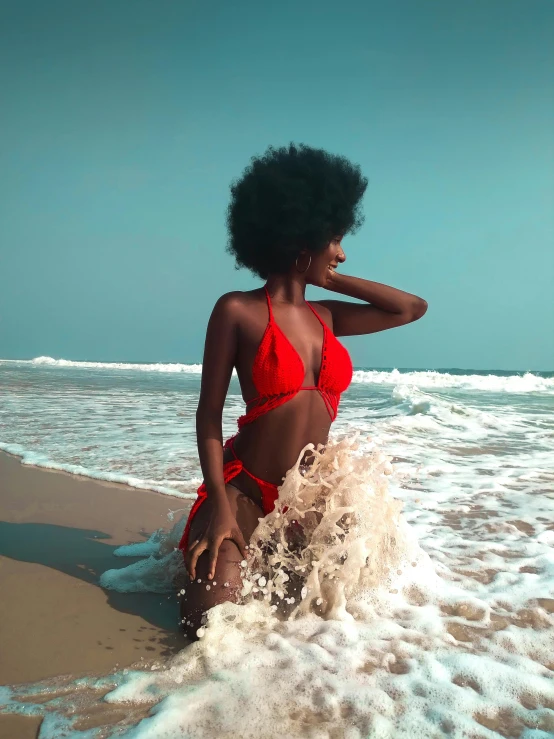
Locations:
(277, 374)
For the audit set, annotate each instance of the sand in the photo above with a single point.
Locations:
(57, 535)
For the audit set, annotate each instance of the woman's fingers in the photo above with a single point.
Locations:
(193, 555)
(214, 549)
(200, 546)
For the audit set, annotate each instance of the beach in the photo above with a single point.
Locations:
(445, 626)
(199, 245)
(58, 533)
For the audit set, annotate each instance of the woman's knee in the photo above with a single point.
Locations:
(202, 594)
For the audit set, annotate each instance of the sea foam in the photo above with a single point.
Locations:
(144, 367)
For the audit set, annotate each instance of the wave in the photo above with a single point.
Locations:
(500, 382)
(525, 383)
(144, 367)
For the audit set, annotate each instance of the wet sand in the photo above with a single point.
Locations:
(57, 536)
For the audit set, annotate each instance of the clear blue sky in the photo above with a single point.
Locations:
(123, 123)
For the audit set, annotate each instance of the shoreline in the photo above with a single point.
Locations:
(58, 532)
(102, 481)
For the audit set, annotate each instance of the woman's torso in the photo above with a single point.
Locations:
(269, 445)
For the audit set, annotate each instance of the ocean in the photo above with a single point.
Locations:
(427, 606)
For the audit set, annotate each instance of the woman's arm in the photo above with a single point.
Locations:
(388, 307)
(217, 366)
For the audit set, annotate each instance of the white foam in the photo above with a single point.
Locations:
(154, 367)
(156, 573)
(525, 383)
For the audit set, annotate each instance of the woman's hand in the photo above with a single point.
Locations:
(223, 525)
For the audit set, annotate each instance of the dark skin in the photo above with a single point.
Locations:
(270, 445)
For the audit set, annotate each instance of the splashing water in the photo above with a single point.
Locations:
(335, 535)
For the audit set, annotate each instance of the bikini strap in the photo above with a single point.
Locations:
(230, 445)
(319, 318)
(310, 306)
(268, 304)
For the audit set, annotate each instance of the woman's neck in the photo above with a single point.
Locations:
(289, 288)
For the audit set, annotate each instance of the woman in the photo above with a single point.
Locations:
(287, 218)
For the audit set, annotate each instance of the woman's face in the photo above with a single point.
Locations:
(324, 262)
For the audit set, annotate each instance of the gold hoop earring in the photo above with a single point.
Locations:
(307, 268)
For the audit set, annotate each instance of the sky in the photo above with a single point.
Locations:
(124, 123)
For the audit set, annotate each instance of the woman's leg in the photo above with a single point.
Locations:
(201, 594)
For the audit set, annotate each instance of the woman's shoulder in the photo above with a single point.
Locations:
(238, 299)
(238, 304)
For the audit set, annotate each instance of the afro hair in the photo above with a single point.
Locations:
(290, 199)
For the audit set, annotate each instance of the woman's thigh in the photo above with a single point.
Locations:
(202, 594)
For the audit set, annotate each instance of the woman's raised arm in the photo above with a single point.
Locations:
(388, 307)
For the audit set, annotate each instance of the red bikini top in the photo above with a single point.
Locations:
(278, 370)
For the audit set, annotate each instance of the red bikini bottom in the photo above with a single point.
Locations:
(231, 469)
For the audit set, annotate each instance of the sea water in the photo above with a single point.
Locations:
(403, 587)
